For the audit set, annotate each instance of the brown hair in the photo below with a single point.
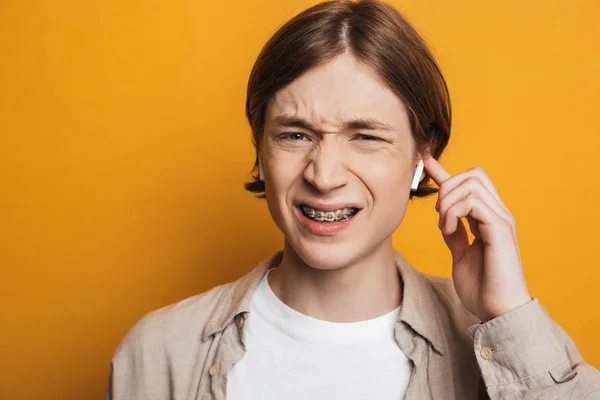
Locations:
(377, 35)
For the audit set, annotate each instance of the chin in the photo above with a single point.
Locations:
(328, 256)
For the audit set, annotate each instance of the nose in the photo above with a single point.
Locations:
(325, 170)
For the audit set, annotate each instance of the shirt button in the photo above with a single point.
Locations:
(486, 353)
(214, 370)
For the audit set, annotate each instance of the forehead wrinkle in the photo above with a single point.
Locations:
(305, 100)
(326, 105)
(323, 119)
(322, 116)
(310, 114)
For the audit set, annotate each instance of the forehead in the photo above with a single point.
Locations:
(336, 91)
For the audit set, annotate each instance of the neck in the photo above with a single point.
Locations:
(368, 288)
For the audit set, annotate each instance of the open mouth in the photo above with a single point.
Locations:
(341, 215)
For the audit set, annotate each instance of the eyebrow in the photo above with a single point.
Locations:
(357, 123)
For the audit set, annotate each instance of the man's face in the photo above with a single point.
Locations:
(337, 139)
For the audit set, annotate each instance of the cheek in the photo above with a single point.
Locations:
(281, 173)
(389, 185)
(387, 176)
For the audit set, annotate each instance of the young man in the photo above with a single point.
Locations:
(346, 104)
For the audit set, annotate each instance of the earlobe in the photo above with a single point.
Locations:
(417, 177)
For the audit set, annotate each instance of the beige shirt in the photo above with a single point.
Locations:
(184, 351)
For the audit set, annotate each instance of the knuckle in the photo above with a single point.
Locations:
(472, 198)
(473, 182)
(478, 171)
(504, 224)
(442, 190)
(443, 205)
(451, 210)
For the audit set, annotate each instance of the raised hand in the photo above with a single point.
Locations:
(487, 273)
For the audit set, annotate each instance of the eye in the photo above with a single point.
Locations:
(294, 136)
(365, 137)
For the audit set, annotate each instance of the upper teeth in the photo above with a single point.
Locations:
(328, 215)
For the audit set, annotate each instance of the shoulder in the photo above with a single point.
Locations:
(179, 322)
(160, 352)
(170, 328)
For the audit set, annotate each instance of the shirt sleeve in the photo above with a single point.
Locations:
(138, 369)
(524, 354)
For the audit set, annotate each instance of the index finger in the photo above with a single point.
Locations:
(435, 170)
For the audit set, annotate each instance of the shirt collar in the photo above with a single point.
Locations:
(235, 296)
(419, 308)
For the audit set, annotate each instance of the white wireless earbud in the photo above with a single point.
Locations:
(261, 174)
(417, 178)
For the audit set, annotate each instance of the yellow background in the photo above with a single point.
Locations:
(123, 150)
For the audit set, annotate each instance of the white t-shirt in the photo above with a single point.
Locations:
(291, 356)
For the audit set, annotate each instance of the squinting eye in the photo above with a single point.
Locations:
(367, 137)
(294, 136)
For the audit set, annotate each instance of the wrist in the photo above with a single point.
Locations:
(504, 307)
